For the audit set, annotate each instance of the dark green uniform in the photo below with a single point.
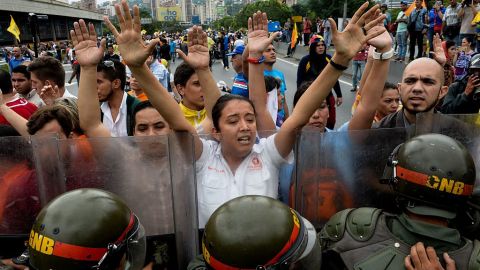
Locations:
(368, 238)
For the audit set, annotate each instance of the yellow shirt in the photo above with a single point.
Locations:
(195, 118)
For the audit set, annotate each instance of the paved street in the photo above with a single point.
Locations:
(289, 67)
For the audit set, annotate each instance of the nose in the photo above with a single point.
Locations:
(150, 132)
(316, 114)
(244, 125)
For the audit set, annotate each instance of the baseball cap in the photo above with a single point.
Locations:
(403, 3)
(238, 50)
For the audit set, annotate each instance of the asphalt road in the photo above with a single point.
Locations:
(289, 68)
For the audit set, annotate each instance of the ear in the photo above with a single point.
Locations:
(180, 89)
(116, 83)
(443, 92)
(216, 134)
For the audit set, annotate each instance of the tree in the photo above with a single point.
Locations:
(334, 8)
(276, 12)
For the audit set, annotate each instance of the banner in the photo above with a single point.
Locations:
(294, 36)
(165, 14)
(13, 28)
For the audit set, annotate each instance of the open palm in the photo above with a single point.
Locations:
(258, 39)
(85, 42)
(129, 40)
(198, 55)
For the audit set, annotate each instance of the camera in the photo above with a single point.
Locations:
(466, 3)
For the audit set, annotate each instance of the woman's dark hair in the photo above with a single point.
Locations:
(5, 82)
(271, 83)
(389, 85)
(222, 103)
(450, 43)
(300, 91)
(45, 115)
(140, 106)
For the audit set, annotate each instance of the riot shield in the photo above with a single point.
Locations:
(463, 127)
(155, 177)
(339, 170)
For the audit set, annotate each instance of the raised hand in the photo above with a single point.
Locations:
(198, 55)
(49, 93)
(363, 27)
(129, 40)
(438, 52)
(85, 42)
(258, 39)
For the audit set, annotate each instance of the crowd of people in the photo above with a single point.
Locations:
(244, 167)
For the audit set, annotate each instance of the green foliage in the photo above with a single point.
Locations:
(333, 8)
(276, 12)
(225, 22)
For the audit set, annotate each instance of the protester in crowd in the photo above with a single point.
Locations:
(402, 33)
(417, 95)
(463, 57)
(463, 95)
(240, 83)
(234, 155)
(416, 29)
(23, 85)
(450, 49)
(307, 30)
(222, 43)
(75, 69)
(452, 21)
(288, 28)
(111, 55)
(159, 69)
(164, 49)
(388, 16)
(48, 79)
(135, 89)
(116, 105)
(10, 99)
(468, 11)
(311, 66)
(358, 65)
(327, 33)
(173, 48)
(435, 21)
(16, 59)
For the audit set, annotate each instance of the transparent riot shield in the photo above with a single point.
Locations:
(340, 170)
(463, 127)
(19, 199)
(155, 177)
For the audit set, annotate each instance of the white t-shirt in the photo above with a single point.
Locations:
(256, 175)
(467, 19)
(117, 127)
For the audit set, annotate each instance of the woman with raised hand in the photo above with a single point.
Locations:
(233, 164)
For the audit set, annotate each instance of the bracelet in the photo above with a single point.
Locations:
(383, 56)
(337, 66)
(256, 60)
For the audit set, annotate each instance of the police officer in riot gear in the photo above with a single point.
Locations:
(87, 229)
(257, 232)
(433, 176)
(464, 95)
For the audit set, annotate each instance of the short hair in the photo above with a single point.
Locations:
(300, 91)
(271, 83)
(139, 107)
(389, 85)
(48, 68)
(58, 111)
(182, 74)
(22, 69)
(5, 82)
(118, 71)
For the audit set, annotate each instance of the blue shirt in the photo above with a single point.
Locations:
(419, 19)
(433, 17)
(173, 46)
(240, 85)
(15, 62)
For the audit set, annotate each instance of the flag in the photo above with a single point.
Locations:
(294, 36)
(13, 28)
(412, 7)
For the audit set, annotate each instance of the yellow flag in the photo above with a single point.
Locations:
(13, 28)
(294, 36)
(412, 7)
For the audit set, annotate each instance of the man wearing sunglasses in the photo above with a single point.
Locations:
(116, 105)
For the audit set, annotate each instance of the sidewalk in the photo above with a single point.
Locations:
(395, 70)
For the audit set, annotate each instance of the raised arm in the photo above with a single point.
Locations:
(88, 57)
(135, 53)
(373, 87)
(198, 58)
(363, 27)
(258, 42)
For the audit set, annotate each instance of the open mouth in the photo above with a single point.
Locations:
(244, 140)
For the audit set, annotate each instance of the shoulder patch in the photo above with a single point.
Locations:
(334, 229)
(361, 223)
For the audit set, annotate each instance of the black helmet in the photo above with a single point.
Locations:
(475, 62)
(256, 232)
(86, 229)
(433, 170)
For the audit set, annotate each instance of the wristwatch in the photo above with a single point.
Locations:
(383, 56)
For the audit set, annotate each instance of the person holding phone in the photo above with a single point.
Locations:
(435, 21)
(468, 11)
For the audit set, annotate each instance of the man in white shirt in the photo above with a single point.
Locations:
(117, 106)
(468, 10)
(23, 85)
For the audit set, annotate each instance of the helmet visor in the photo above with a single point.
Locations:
(136, 249)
